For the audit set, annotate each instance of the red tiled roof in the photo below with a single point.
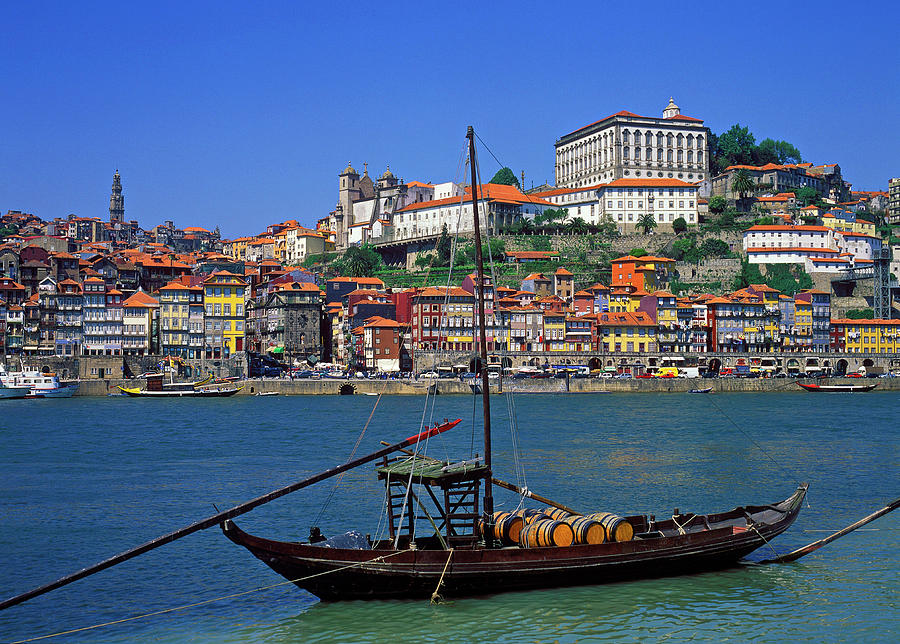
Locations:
(141, 299)
(625, 113)
(820, 229)
(638, 318)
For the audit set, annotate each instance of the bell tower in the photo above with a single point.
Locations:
(116, 201)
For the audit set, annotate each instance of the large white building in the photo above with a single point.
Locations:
(625, 201)
(625, 145)
(819, 248)
(499, 206)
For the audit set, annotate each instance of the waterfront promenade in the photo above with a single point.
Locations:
(446, 386)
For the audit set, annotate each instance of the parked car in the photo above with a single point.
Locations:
(429, 374)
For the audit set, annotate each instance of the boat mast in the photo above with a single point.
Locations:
(482, 335)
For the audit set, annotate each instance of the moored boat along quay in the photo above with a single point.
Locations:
(447, 386)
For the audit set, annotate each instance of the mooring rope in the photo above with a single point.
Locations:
(784, 469)
(208, 601)
(435, 597)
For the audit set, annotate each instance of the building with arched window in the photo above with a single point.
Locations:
(625, 145)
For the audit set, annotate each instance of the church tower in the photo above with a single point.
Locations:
(116, 201)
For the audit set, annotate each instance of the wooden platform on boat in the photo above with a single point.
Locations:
(430, 471)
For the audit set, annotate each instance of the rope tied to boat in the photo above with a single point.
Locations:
(435, 597)
(214, 599)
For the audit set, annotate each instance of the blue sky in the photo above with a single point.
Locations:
(241, 114)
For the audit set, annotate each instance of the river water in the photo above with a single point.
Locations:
(85, 478)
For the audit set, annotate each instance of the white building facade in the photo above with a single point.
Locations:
(625, 201)
(626, 145)
(818, 248)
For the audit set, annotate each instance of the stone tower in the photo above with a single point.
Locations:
(116, 201)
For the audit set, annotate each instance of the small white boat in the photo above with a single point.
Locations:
(267, 393)
(40, 384)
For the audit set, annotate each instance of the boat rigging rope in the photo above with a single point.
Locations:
(208, 601)
(435, 597)
(350, 458)
(790, 475)
(510, 399)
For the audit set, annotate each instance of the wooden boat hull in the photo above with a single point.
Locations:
(837, 388)
(196, 393)
(340, 574)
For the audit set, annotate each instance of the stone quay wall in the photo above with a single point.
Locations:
(444, 387)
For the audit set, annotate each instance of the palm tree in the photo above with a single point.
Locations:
(741, 183)
(577, 226)
(646, 222)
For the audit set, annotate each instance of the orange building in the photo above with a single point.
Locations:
(647, 273)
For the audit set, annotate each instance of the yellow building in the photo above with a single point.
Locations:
(554, 331)
(224, 296)
(236, 249)
(867, 336)
(626, 332)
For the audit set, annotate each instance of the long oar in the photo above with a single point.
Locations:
(227, 514)
(515, 488)
(815, 545)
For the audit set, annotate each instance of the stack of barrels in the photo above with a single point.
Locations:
(554, 527)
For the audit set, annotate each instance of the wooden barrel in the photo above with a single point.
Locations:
(530, 515)
(505, 527)
(587, 530)
(617, 528)
(556, 513)
(508, 527)
(546, 533)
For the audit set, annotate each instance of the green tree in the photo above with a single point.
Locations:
(749, 274)
(686, 250)
(361, 261)
(806, 196)
(717, 204)
(443, 248)
(861, 314)
(638, 252)
(646, 222)
(779, 151)
(424, 260)
(735, 147)
(607, 227)
(494, 248)
(577, 226)
(787, 278)
(714, 248)
(506, 177)
(551, 218)
(741, 182)
(679, 225)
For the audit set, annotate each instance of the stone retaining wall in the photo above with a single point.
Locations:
(549, 385)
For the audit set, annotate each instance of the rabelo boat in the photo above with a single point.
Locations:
(474, 551)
